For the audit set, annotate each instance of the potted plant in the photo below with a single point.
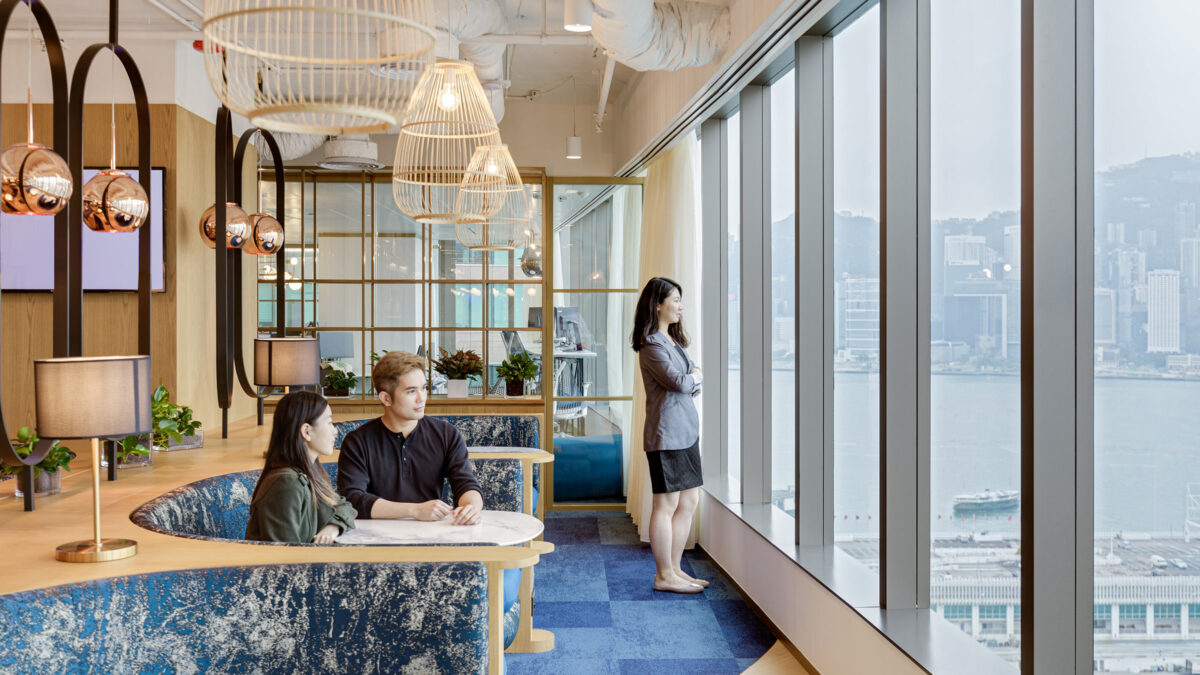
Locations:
(516, 370)
(458, 368)
(169, 423)
(47, 474)
(339, 380)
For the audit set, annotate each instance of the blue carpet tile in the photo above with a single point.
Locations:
(594, 592)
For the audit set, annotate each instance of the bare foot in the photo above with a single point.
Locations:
(702, 583)
(675, 585)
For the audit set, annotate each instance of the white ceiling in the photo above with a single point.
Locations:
(533, 69)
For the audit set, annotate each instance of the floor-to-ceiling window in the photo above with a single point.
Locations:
(1147, 336)
(975, 284)
(783, 291)
(733, 363)
(856, 116)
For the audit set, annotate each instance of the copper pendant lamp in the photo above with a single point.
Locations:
(237, 226)
(112, 200)
(34, 180)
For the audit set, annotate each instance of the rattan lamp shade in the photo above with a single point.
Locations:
(317, 66)
(286, 362)
(491, 190)
(447, 119)
(92, 397)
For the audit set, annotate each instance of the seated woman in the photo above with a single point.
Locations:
(294, 500)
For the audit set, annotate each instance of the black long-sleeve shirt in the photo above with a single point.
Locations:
(376, 462)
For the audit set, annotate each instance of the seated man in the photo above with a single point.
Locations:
(393, 466)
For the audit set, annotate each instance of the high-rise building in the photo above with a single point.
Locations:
(860, 318)
(1189, 263)
(965, 249)
(1012, 245)
(1162, 312)
(1105, 308)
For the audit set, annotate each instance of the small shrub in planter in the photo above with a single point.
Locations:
(338, 381)
(458, 368)
(47, 474)
(170, 423)
(516, 370)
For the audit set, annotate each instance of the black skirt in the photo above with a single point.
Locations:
(675, 470)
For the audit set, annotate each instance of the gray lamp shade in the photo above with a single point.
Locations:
(286, 362)
(92, 397)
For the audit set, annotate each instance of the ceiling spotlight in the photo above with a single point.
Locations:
(574, 147)
(577, 15)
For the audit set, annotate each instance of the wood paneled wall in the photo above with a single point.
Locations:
(183, 344)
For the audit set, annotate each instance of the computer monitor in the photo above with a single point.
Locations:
(336, 344)
(535, 317)
(569, 324)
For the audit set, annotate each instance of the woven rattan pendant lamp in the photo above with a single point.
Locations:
(501, 210)
(448, 118)
(317, 66)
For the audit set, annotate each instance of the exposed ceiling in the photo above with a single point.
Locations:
(539, 72)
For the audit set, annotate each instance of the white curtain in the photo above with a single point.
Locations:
(670, 247)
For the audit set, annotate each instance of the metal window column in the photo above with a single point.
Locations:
(814, 291)
(714, 311)
(904, 304)
(1057, 457)
(756, 294)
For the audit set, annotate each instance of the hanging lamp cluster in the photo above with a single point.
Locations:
(259, 233)
(357, 66)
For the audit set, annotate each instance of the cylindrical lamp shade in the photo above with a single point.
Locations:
(92, 397)
(574, 147)
(287, 362)
(577, 15)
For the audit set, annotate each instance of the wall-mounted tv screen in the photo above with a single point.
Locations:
(110, 260)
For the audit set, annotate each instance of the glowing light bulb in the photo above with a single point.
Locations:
(510, 292)
(293, 261)
(295, 285)
(492, 167)
(448, 98)
(531, 291)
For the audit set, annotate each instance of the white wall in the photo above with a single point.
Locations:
(536, 134)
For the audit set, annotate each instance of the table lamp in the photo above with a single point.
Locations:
(93, 398)
(287, 362)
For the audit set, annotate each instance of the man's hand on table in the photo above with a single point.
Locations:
(467, 514)
(434, 509)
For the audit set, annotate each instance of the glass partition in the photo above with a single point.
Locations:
(596, 240)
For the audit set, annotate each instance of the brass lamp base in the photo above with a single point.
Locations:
(89, 551)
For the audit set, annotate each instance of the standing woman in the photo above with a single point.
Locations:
(294, 500)
(672, 432)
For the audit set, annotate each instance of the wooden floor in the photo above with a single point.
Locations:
(29, 538)
(778, 660)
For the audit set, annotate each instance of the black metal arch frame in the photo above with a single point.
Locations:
(230, 359)
(74, 322)
(65, 302)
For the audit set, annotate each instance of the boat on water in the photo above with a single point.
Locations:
(988, 500)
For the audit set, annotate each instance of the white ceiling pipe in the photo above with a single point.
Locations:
(467, 20)
(674, 34)
(529, 39)
(179, 18)
(605, 86)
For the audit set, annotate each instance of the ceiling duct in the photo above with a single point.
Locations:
(648, 35)
(468, 19)
(355, 152)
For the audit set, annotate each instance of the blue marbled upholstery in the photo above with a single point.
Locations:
(218, 509)
(519, 431)
(313, 618)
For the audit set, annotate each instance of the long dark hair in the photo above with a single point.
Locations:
(645, 317)
(287, 449)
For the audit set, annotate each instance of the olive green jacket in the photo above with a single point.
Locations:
(284, 508)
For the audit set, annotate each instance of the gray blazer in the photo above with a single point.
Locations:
(671, 419)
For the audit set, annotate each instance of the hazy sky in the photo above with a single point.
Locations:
(1147, 93)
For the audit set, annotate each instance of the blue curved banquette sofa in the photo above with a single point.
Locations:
(289, 618)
